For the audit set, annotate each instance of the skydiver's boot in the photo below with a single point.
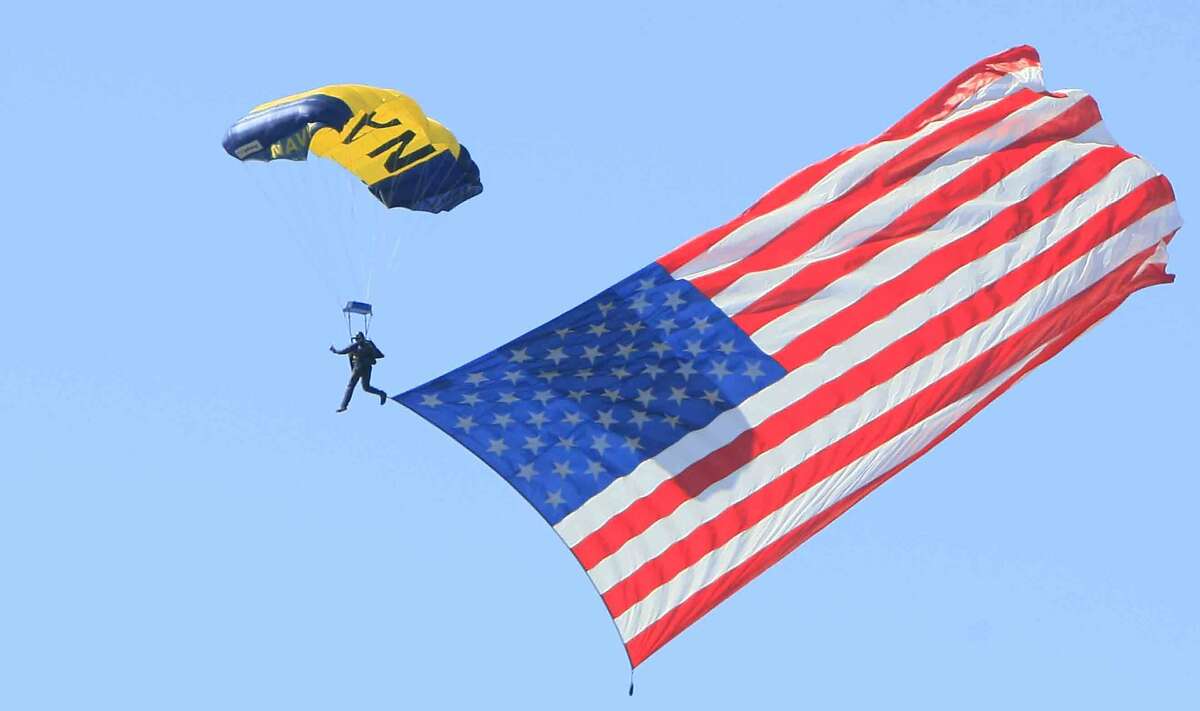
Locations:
(382, 398)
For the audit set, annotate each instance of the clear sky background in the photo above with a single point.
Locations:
(186, 524)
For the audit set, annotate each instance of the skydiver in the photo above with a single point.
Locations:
(363, 354)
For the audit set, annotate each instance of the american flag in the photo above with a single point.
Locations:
(688, 427)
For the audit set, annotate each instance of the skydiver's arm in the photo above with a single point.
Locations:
(343, 351)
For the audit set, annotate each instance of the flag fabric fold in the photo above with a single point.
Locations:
(688, 427)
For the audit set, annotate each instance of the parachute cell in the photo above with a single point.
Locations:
(405, 158)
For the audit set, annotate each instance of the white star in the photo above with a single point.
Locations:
(678, 395)
(672, 420)
(612, 395)
(719, 370)
(639, 304)
(555, 498)
(591, 353)
(653, 371)
(595, 469)
(694, 348)
(605, 308)
(566, 443)
(431, 400)
(668, 325)
(621, 373)
(562, 469)
(572, 418)
(512, 376)
(543, 396)
(527, 472)
(471, 399)
(519, 355)
(496, 446)
(597, 329)
(625, 350)
(639, 418)
(605, 418)
(633, 444)
(645, 397)
(584, 373)
(674, 301)
(660, 348)
(508, 398)
(633, 327)
(504, 420)
(537, 419)
(549, 375)
(577, 395)
(562, 332)
(557, 355)
(465, 424)
(701, 324)
(712, 396)
(686, 369)
(533, 444)
(726, 347)
(754, 370)
(600, 443)
(476, 379)
(645, 284)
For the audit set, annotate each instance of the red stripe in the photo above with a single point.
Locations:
(963, 87)
(780, 195)
(939, 264)
(881, 367)
(1088, 310)
(814, 226)
(938, 106)
(926, 213)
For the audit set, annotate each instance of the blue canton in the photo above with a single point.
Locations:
(582, 400)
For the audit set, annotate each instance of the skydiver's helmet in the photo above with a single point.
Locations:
(359, 337)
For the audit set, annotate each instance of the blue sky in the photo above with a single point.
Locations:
(185, 523)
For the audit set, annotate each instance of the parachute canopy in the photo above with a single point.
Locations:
(405, 158)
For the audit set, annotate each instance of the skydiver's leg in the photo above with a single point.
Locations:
(366, 383)
(354, 375)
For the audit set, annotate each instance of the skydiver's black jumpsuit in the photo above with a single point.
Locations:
(362, 356)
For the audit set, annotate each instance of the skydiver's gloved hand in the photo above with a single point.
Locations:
(332, 349)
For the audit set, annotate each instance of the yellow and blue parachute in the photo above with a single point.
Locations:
(405, 158)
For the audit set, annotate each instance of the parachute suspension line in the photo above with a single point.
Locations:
(277, 205)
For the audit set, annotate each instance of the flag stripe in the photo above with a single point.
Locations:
(1112, 290)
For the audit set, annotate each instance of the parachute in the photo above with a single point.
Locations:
(377, 137)
(406, 158)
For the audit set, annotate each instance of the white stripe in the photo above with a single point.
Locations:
(802, 381)
(762, 229)
(910, 381)
(809, 504)
(1028, 78)
(888, 207)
